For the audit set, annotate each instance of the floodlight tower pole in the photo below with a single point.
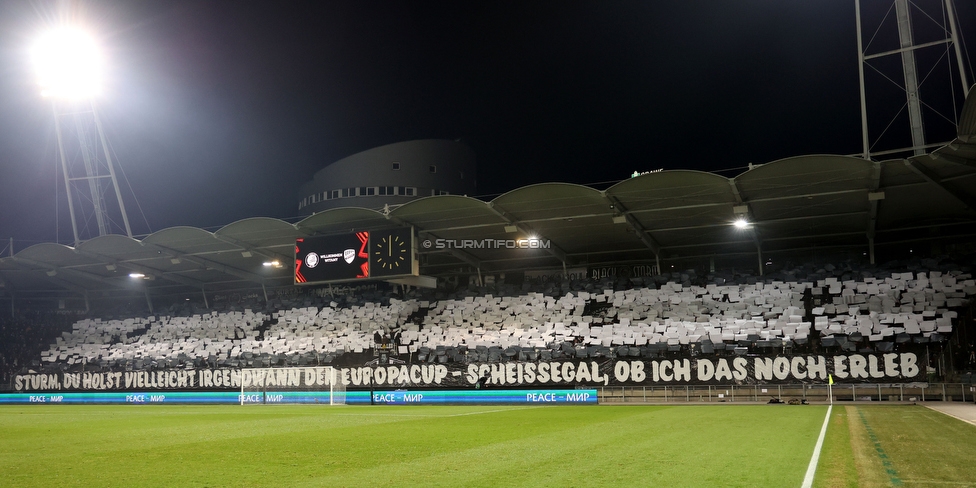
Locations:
(96, 156)
(64, 171)
(865, 143)
(906, 51)
(907, 45)
(953, 34)
(94, 185)
(111, 168)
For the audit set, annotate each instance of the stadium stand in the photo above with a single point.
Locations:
(23, 336)
(839, 309)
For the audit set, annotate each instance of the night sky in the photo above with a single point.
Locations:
(220, 110)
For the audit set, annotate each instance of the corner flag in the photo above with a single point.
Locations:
(830, 379)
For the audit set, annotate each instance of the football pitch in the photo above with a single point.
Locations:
(717, 445)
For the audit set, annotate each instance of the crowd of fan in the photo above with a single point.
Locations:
(23, 335)
(675, 313)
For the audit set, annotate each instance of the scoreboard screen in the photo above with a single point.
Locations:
(350, 257)
(332, 258)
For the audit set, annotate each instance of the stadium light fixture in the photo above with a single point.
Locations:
(741, 223)
(68, 64)
(136, 275)
(275, 264)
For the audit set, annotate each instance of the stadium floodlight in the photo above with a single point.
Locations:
(68, 64)
(136, 275)
(69, 67)
(741, 223)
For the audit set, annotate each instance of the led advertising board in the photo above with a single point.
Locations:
(379, 397)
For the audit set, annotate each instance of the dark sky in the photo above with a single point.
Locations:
(220, 110)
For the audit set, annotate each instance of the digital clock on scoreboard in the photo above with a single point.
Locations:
(391, 252)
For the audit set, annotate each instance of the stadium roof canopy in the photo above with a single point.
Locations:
(794, 204)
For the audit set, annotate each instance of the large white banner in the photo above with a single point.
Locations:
(880, 368)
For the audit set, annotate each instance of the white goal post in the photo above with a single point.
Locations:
(321, 385)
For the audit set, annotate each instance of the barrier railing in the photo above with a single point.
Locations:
(875, 392)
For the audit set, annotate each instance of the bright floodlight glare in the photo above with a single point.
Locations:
(68, 64)
(741, 223)
(136, 275)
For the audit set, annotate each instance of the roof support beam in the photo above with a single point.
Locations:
(636, 226)
(72, 272)
(874, 200)
(528, 259)
(640, 249)
(254, 250)
(552, 249)
(752, 228)
(923, 171)
(207, 263)
(461, 255)
(735, 191)
(67, 285)
(757, 240)
(949, 158)
(143, 269)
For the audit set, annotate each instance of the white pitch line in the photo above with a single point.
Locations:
(491, 411)
(418, 416)
(812, 468)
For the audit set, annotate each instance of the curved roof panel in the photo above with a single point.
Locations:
(667, 189)
(342, 219)
(551, 201)
(116, 247)
(805, 175)
(53, 254)
(664, 201)
(186, 240)
(259, 231)
(445, 213)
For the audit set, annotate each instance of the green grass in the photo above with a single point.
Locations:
(925, 447)
(837, 467)
(406, 446)
(896, 445)
(747, 445)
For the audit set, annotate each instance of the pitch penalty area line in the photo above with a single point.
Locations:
(812, 467)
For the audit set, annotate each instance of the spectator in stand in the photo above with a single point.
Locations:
(22, 338)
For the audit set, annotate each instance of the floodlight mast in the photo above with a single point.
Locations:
(67, 62)
(910, 81)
